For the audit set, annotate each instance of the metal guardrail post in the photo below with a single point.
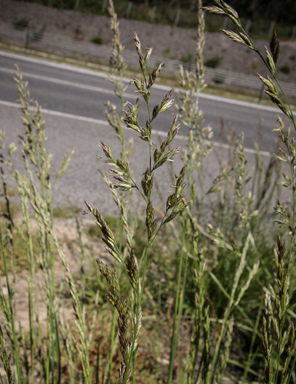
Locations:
(261, 94)
(152, 14)
(293, 33)
(271, 28)
(129, 9)
(177, 18)
(104, 6)
(27, 39)
(225, 22)
(247, 28)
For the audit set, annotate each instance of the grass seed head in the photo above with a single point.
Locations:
(275, 47)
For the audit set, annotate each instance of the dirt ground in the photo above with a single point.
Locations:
(178, 43)
(66, 232)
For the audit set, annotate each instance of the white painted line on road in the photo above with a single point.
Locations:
(241, 103)
(157, 86)
(80, 118)
(59, 114)
(246, 150)
(104, 122)
(225, 100)
(53, 64)
(9, 104)
(215, 143)
(64, 82)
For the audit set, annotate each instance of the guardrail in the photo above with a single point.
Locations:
(66, 46)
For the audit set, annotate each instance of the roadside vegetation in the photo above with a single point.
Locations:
(200, 289)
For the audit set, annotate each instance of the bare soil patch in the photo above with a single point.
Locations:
(66, 232)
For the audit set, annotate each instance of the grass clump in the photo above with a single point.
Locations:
(187, 58)
(213, 62)
(97, 40)
(65, 211)
(21, 23)
(286, 69)
(20, 258)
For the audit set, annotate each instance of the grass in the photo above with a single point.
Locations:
(97, 40)
(22, 23)
(65, 211)
(286, 69)
(199, 289)
(187, 58)
(20, 258)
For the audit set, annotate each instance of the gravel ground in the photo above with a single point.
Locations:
(176, 43)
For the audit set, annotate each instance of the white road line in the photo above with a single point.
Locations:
(53, 64)
(59, 114)
(104, 122)
(64, 82)
(157, 86)
(241, 103)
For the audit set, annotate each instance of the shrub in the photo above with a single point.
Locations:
(97, 40)
(21, 23)
(187, 58)
(286, 69)
(78, 33)
(65, 211)
(213, 62)
(38, 35)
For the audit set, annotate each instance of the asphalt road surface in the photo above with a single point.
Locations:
(73, 101)
(83, 93)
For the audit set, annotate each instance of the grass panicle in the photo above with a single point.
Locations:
(121, 173)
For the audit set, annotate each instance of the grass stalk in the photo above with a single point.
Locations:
(16, 351)
(177, 315)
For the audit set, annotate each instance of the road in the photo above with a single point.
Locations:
(73, 103)
(81, 92)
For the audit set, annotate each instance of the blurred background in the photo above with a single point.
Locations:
(281, 14)
(181, 12)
